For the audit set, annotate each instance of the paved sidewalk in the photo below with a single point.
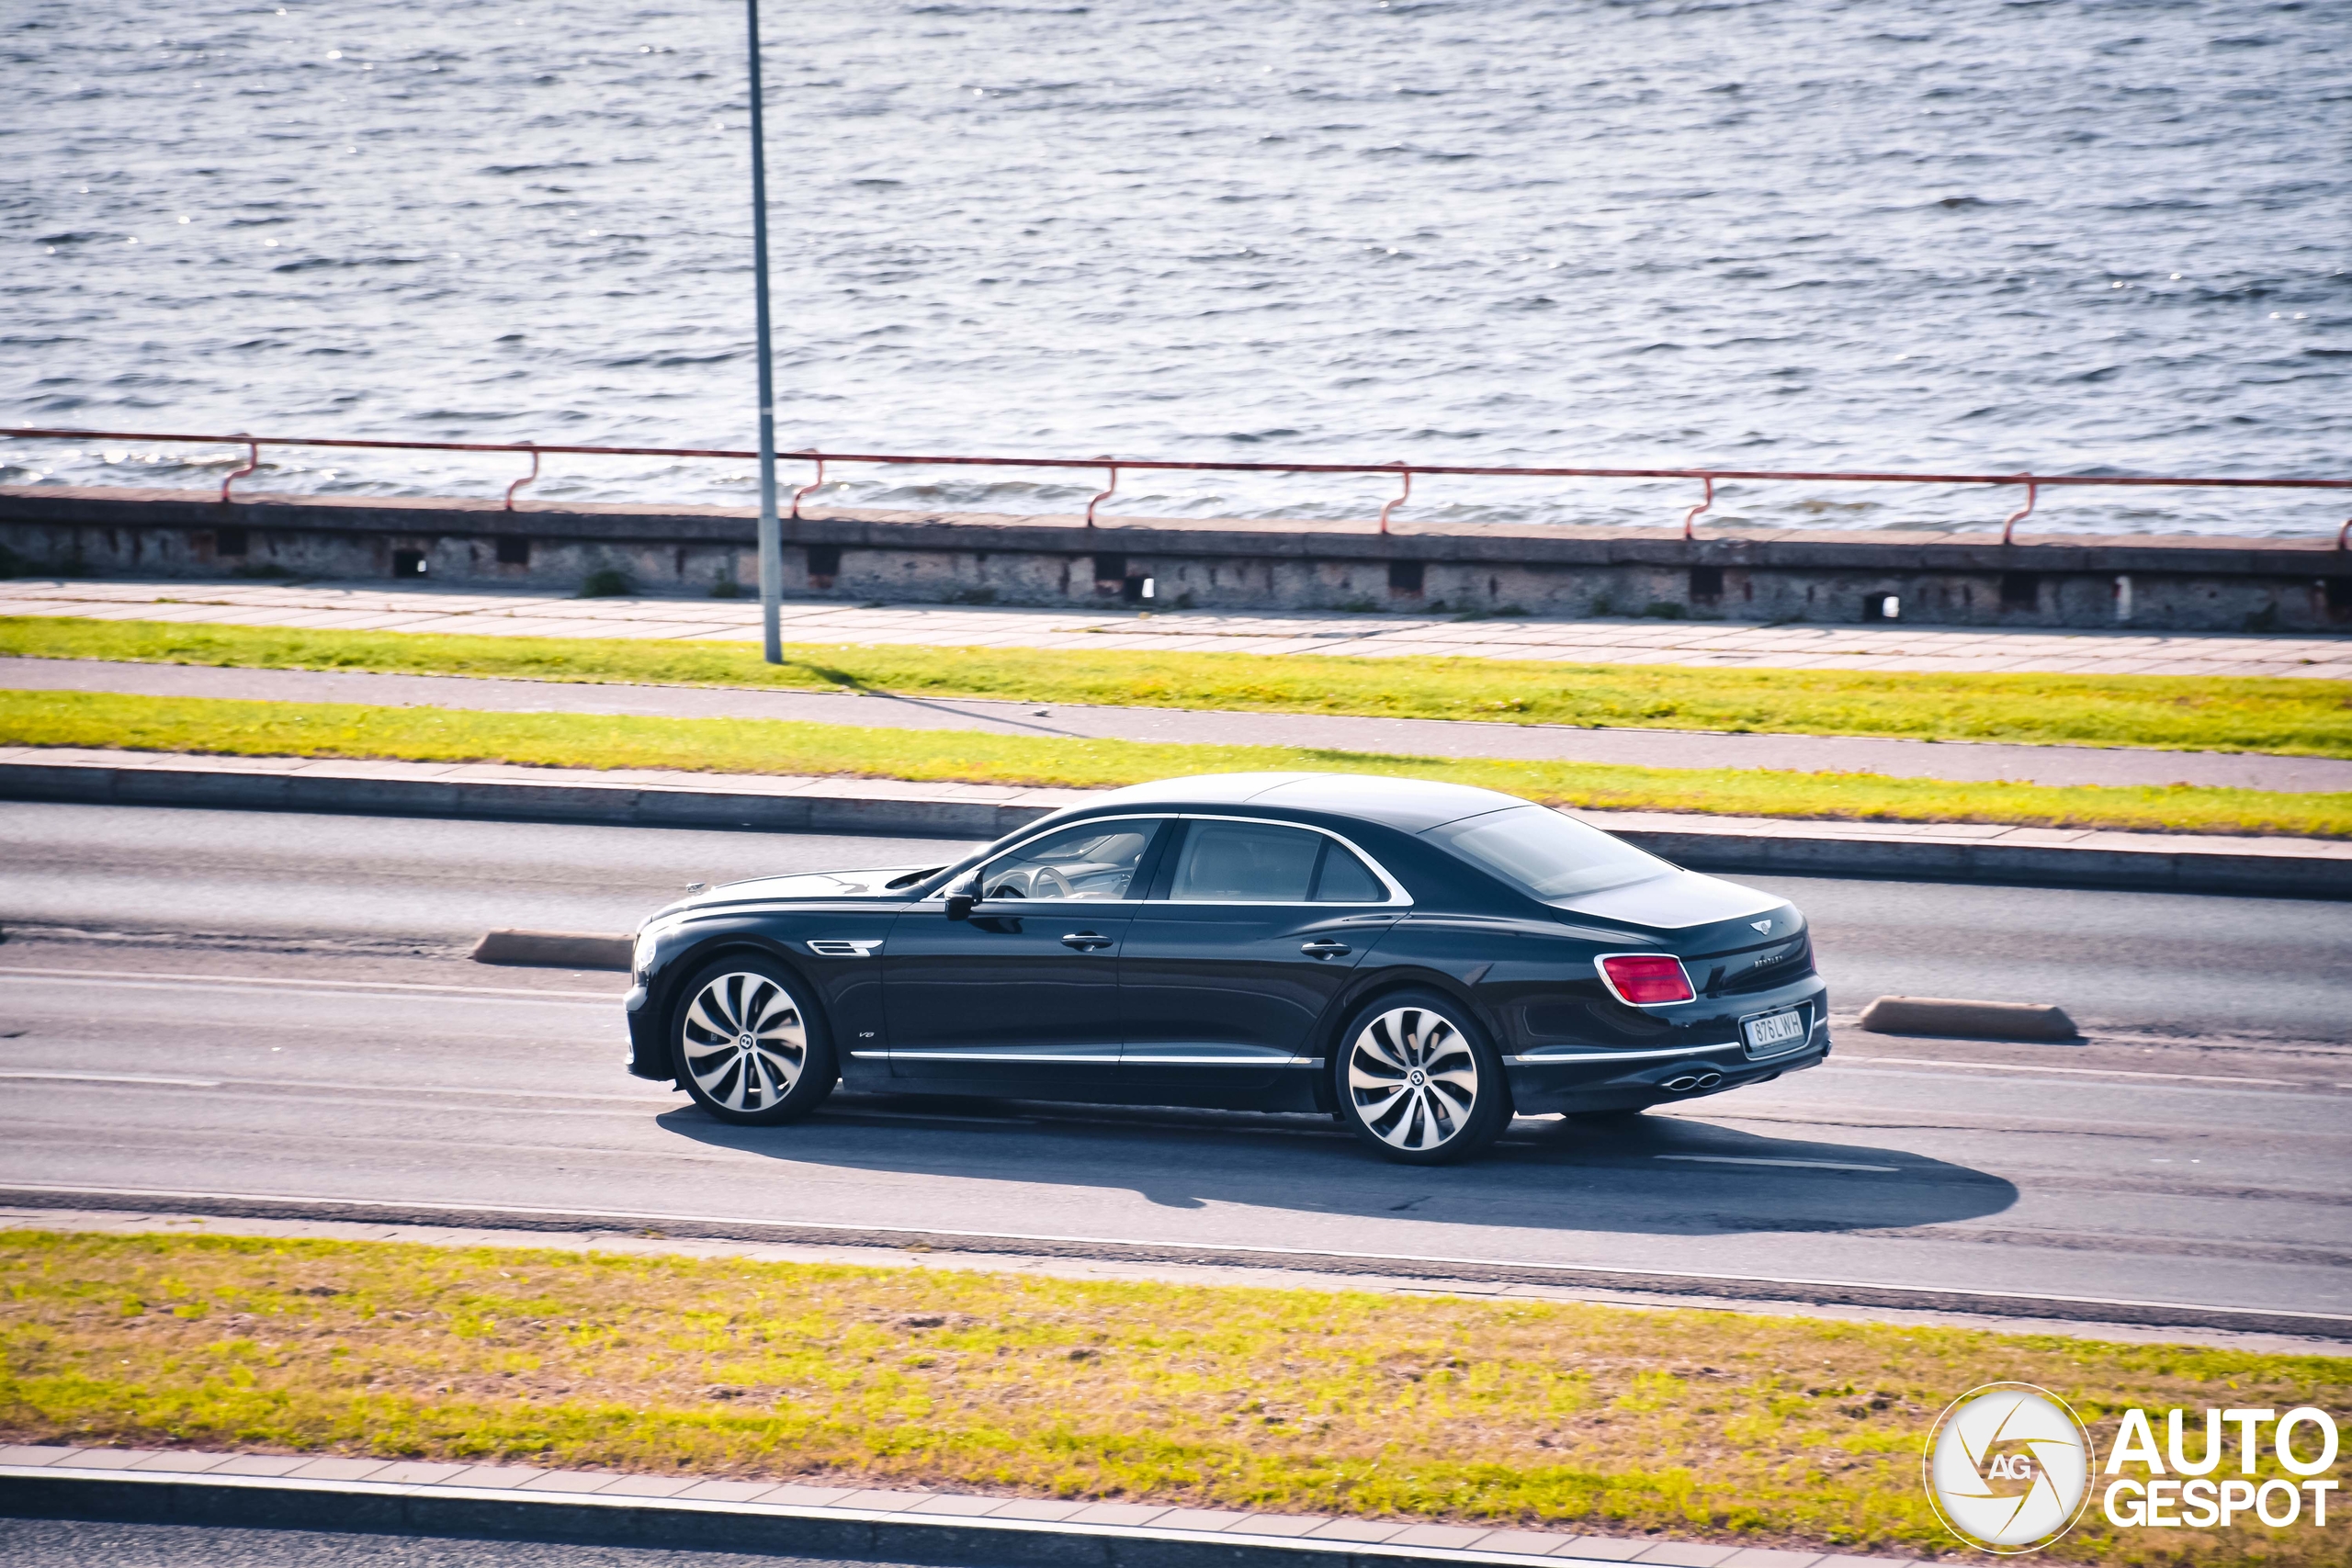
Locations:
(1406, 737)
(521, 1486)
(375, 607)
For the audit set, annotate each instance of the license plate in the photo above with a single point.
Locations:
(1775, 1032)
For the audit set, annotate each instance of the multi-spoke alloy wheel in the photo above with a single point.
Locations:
(748, 1050)
(1418, 1084)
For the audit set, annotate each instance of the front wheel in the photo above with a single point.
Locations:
(751, 1048)
(1419, 1082)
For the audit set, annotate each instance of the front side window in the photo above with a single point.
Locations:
(1550, 855)
(1093, 861)
(1259, 863)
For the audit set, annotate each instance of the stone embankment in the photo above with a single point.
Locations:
(2188, 583)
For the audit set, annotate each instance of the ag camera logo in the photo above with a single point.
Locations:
(2008, 1467)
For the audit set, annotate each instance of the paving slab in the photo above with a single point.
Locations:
(1040, 1509)
(960, 1507)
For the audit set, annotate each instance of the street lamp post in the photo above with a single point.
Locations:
(771, 531)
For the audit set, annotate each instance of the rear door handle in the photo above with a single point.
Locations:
(1325, 949)
(1085, 941)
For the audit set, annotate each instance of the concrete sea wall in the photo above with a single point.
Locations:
(2172, 584)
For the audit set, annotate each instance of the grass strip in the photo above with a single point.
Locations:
(2298, 717)
(1679, 1423)
(771, 745)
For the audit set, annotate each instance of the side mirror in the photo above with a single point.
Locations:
(959, 906)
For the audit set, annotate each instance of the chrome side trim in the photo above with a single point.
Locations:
(843, 947)
(1552, 1055)
(1222, 1061)
(1076, 1056)
(1097, 1058)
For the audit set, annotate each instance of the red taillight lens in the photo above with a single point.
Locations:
(1648, 978)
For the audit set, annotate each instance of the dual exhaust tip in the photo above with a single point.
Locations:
(1686, 1082)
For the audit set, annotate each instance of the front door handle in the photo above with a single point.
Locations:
(1086, 941)
(1325, 949)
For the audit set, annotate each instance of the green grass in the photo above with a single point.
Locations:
(2195, 713)
(1679, 1423)
(763, 745)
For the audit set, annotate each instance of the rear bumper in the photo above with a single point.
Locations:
(1567, 1079)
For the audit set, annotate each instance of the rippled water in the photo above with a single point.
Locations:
(1957, 234)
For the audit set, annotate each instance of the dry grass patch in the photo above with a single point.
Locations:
(1679, 1423)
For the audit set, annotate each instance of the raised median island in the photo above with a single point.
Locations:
(2156, 582)
(1601, 1432)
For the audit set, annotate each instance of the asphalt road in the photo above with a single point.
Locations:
(2154, 962)
(1406, 737)
(75, 1543)
(2208, 1167)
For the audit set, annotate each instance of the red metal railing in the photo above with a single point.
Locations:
(2034, 483)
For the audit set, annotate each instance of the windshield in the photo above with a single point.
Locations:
(1547, 854)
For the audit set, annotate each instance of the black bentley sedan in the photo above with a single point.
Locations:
(1421, 961)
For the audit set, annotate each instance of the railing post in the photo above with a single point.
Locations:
(1404, 496)
(1102, 497)
(2009, 529)
(253, 462)
(527, 479)
(1692, 517)
(808, 488)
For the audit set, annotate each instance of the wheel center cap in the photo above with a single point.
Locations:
(743, 1042)
(1417, 1080)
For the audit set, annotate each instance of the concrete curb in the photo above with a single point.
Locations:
(297, 1492)
(2277, 868)
(773, 806)
(1967, 1021)
(553, 950)
(1746, 1288)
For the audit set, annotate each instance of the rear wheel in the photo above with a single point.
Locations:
(750, 1046)
(1419, 1082)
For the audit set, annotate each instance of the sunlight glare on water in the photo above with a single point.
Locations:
(1938, 234)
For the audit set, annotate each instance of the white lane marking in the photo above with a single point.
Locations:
(1801, 1164)
(2090, 1072)
(239, 986)
(119, 1077)
(315, 985)
(354, 1093)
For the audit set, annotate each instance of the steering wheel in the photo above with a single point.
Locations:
(1060, 887)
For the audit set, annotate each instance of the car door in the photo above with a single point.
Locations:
(1022, 995)
(1250, 931)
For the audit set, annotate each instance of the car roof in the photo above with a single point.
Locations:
(1412, 806)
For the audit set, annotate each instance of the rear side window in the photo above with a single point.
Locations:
(1550, 855)
(1245, 863)
(1260, 863)
(1346, 880)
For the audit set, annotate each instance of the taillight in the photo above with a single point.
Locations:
(1647, 979)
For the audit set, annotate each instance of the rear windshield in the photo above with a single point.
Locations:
(1547, 854)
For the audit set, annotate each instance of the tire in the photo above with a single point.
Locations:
(1418, 1080)
(749, 1044)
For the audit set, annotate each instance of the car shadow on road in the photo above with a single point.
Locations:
(1648, 1175)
